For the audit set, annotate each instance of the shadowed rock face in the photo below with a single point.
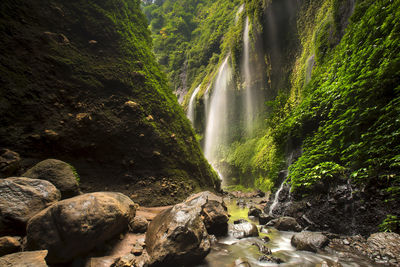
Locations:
(20, 199)
(58, 173)
(74, 226)
(31, 258)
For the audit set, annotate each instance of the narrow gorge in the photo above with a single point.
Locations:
(200, 133)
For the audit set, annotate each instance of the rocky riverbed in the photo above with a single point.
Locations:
(47, 220)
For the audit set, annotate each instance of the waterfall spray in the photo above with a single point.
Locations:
(191, 107)
(217, 115)
(249, 102)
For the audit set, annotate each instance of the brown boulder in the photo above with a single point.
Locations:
(285, 224)
(310, 241)
(74, 226)
(9, 244)
(385, 245)
(20, 199)
(138, 224)
(213, 211)
(177, 237)
(25, 259)
(59, 173)
(243, 229)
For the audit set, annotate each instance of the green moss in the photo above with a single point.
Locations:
(77, 177)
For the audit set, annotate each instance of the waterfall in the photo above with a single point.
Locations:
(240, 10)
(191, 107)
(276, 198)
(217, 115)
(249, 103)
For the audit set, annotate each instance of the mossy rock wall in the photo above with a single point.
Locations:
(79, 82)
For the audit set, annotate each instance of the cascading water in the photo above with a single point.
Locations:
(249, 103)
(217, 115)
(191, 107)
(240, 10)
(276, 199)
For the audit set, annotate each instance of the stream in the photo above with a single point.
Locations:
(228, 249)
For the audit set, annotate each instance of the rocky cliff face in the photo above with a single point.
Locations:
(78, 82)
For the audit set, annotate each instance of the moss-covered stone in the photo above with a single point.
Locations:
(67, 69)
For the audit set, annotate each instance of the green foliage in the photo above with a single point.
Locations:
(187, 34)
(390, 224)
(349, 115)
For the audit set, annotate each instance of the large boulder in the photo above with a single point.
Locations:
(59, 173)
(74, 226)
(9, 244)
(310, 241)
(25, 259)
(177, 236)
(9, 162)
(285, 224)
(213, 211)
(385, 245)
(20, 199)
(243, 229)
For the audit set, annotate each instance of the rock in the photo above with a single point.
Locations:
(213, 211)
(285, 224)
(243, 229)
(9, 162)
(269, 258)
(309, 241)
(125, 261)
(20, 199)
(178, 236)
(59, 173)
(263, 249)
(264, 218)
(387, 244)
(74, 226)
(138, 224)
(9, 245)
(241, 263)
(25, 259)
(254, 211)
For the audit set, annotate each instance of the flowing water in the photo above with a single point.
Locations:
(249, 102)
(240, 10)
(228, 249)
(217, 114)
(191, 108)
(276, 199)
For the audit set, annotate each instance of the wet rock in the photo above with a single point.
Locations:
(263, 249)
(138, 224)
(238, 221)
(254, 211)
(177, 236)
(25, 259)
(20, 199)
(213, 211)
(264, 218)
(9, 244)
(125, 261)
(329, 264)
(269, 258)
(74, 226)
(387, 245)
(285, 224)
(243, 229)
(241, 263)
(309, 241)
(59, 173)
(9, 162)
